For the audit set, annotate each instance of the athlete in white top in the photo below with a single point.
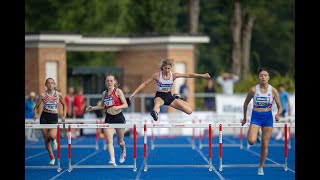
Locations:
(263, 96)
(164, 81)
(50, 100)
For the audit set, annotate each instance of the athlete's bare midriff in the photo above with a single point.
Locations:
(262, 109)
(113, 112)
(50, 112)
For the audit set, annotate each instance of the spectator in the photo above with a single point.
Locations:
(210, 102)
(285, 103)
(29, 106)
(69, 100)
(226, 81)
(184, 90)
(79, 107)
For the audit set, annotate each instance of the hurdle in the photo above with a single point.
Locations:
(68, 121)
(47, 126)
(177, 125)
(221, 166)
(70, 126)
(221, 119)
(153, 145)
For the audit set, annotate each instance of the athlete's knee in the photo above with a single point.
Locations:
(251, 141)
(188, 110)
(120, 143)
(110, 141)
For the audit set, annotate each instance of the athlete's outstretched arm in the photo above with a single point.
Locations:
(190, 75)
(142, 85)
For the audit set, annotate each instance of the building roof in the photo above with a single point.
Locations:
(78, 42)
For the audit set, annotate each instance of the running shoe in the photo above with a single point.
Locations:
(154, 114)
(260, 171)
(54, 144)
(112, 162)
(279, 136)
(51, 162)
(123, 153)
(123, 156)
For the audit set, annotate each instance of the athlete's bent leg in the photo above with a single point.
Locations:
(181, 105)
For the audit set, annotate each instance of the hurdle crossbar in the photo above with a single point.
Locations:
(70, 126)
(177, 125)
(227, 125)
(281, 125)
(153, 145)
(47, 126)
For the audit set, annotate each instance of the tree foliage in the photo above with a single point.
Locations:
(272, 44)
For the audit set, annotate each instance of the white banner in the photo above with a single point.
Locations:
(233, 105)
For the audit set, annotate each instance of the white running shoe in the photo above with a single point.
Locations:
(52, 161)
(279, 136)
(123, 155)
(112, 162)
(54, 144)
(260, 172)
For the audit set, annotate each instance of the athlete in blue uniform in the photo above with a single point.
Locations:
(263, 95)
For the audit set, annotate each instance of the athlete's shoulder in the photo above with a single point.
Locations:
(118, 90)
(253, 89)
(43, 94)
(104, 92)
(155, 75)
(274, 90)
(59, 94)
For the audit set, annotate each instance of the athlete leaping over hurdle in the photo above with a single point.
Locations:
(164, 81)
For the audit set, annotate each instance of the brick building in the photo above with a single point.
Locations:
(45, 56)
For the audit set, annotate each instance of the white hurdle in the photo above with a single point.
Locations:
(228, 125)
(177, 125)
(70, 126)
(153, 144)
(73, 121)
(47, 126)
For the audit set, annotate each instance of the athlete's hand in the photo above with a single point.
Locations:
(206, 75)
(243, 122)
(89, 108)
(277, 117)
(131, 97)
(63, 119)
(34, 117)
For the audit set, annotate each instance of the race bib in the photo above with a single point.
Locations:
(262, 101)
(165, 87)
(108, 101)
(50, 106)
